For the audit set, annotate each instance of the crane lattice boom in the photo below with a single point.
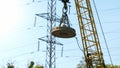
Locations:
(91, 45)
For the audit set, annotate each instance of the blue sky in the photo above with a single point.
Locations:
(19, 37)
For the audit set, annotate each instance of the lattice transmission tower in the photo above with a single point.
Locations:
(51, 42)
(51, 48)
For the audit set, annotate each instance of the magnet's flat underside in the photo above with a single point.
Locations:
(63, 32)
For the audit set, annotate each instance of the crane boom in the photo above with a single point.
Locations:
(90, 40)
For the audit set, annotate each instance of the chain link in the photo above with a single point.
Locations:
(64, 20)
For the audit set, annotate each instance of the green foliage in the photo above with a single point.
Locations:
(10, 66)
(79, 66)
(110, 66)
(38, 66)
(31, 64)
(106, 66)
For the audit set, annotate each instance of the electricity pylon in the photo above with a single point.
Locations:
(50, 48)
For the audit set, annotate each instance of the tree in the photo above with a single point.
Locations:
(37, 66)
(10, 65)
(80, 65)
(31, 64)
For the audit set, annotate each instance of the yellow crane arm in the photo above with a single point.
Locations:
(90, 40)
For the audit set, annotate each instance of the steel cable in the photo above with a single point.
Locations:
(103, 33)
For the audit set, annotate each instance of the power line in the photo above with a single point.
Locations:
(111, 9)
(103, 33)
(15, 48)
(78, 44)
(112, 22)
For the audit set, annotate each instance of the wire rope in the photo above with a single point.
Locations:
(78, 44)
(103, 33)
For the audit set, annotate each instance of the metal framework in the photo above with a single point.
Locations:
(50, 16)
(51, 49)
(91, 45)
